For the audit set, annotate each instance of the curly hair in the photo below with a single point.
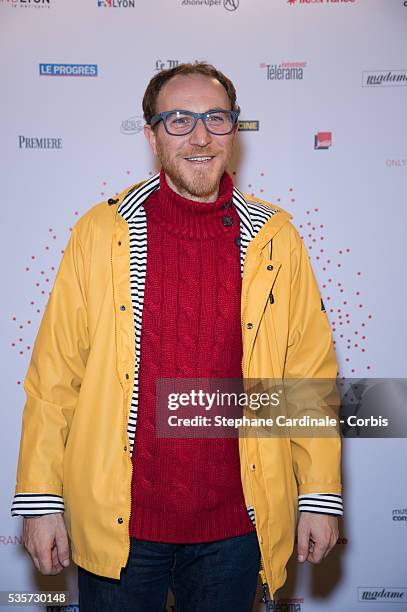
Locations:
(162, 77)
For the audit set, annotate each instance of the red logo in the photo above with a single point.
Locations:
(291, 1)
(323, 140)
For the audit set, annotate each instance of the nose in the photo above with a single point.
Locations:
(200, 136)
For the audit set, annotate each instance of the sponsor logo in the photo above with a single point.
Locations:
(27, 142)
(27, 3)
(323, 140)
(166, 64)
(132, 125)
(169, 63)
(292, 2)
(5, 540)
(396, 163)
(248, 125)
(116, 3)
(400, 514)
(383, 594)
(71, 70)
(229, 5)
(384, 78)
(285, 71)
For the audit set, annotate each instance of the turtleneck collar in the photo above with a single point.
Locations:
(192, 219)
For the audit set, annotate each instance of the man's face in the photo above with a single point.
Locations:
(198, 180)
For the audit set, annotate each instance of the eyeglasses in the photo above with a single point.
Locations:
(182, 122)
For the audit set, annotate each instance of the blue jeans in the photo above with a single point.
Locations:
(216, 576)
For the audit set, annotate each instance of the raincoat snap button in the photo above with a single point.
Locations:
(125, 448)
(225, 206)
(249, 325)
(120, 520)
(227, 221)
(120, 243)
(122, 307)
(127, 376)
(253, 466)
(269, 267)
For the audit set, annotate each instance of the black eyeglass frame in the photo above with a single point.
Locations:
(163, 117)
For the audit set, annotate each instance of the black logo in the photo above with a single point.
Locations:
(231, 5)
(27, 142)
(384, 78)
(28, 3)
(400, 514)
(166, 64)
(385, 594)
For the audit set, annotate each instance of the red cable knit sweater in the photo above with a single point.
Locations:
(188, 490)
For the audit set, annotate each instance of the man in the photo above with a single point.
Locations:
(179, 277)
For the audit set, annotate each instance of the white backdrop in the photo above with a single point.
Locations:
(348, 200)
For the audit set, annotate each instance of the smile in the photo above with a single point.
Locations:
(200, 159)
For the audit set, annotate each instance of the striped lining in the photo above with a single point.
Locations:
(252, 215)
(327, 503)
(32, 504)
(250, 510)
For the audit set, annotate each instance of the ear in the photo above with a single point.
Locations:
(234, 133)
(150, 136)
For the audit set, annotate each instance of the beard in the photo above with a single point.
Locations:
(199, 183)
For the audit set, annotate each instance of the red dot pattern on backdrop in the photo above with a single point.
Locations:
(41, 275)
(347, 312)
(343, 305)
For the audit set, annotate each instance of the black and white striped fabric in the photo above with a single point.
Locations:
(253, 215)
(328, 503)
(34, 504)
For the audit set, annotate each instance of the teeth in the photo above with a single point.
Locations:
(199, 159)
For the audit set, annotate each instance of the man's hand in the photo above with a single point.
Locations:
(317, 535)
(46, 540)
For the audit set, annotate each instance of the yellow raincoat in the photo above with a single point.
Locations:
(79, 385)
